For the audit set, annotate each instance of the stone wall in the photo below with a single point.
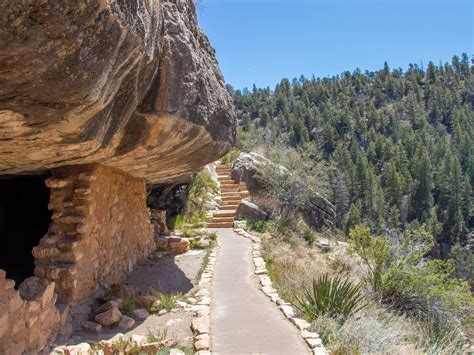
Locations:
(100, 229)
(29, 318)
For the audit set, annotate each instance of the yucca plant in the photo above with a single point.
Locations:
(335, 297)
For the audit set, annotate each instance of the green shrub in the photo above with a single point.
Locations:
(335, 297)
(213, 236)
(374, 251)
(167, 302)
(309, 236)
(196, 244)
(128, 305)
(187, 233)
(231, 156)
(260, 226)
(404, 279)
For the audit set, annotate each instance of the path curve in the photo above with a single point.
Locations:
(243, 320)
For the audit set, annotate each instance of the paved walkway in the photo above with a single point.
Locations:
(243, 320)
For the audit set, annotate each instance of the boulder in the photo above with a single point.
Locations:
(109, 305)
(249, 210)
(318, 211)
(245, 169)
(126, 322)
(109, 317)
(134, 86)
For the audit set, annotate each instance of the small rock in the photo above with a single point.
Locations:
(306, 335)
(319, 351)
(109, 305)
(205, 301)
(200, 325)
(126, 322)
(301, 324)
(314, 342)
(176, 352)
(162, 312)
(287, 311)
(92, 327)
(109, 317)
(323, 245)
(344, 244)
(203, 352)
(202, 342)
(140, 314)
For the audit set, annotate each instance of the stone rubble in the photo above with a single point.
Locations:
(311, 339)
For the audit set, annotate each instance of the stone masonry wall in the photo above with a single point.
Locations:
(100, 229)
(29, 318)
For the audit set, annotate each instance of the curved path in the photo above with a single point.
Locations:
(243, 320)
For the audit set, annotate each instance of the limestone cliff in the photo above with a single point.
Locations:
(129, 84)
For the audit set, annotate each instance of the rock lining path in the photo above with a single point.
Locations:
(243, 320)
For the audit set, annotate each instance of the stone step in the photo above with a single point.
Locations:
(223, 170)
(225, 213)
(220, 219)
(228, 203)
(220, 225)
(226, 180)
(230, 186)
(230, 193)
(227, 198)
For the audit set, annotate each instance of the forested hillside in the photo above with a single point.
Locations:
(399, 144)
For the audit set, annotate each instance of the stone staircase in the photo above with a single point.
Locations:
(231, 195)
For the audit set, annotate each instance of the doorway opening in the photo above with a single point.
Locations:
(24, 220)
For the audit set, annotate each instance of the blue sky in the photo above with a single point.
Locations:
(263, 41)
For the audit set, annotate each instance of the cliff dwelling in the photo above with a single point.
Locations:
(109, 108)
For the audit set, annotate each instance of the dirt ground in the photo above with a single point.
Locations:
(168, 274)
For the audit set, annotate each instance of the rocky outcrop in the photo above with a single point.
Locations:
(317, 210)
(249, 210)
(245, 169)
(132, 85)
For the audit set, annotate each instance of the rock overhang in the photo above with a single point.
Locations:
(135, 87)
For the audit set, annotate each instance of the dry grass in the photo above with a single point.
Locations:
(294, 264)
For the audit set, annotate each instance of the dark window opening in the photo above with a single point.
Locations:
(24, 220)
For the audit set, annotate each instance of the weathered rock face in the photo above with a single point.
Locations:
(245, 170)
(132, 85)
(249, 210)
(317, 211)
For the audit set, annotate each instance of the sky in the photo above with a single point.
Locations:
(263, 41)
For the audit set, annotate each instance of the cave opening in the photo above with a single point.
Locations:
(24, 220)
